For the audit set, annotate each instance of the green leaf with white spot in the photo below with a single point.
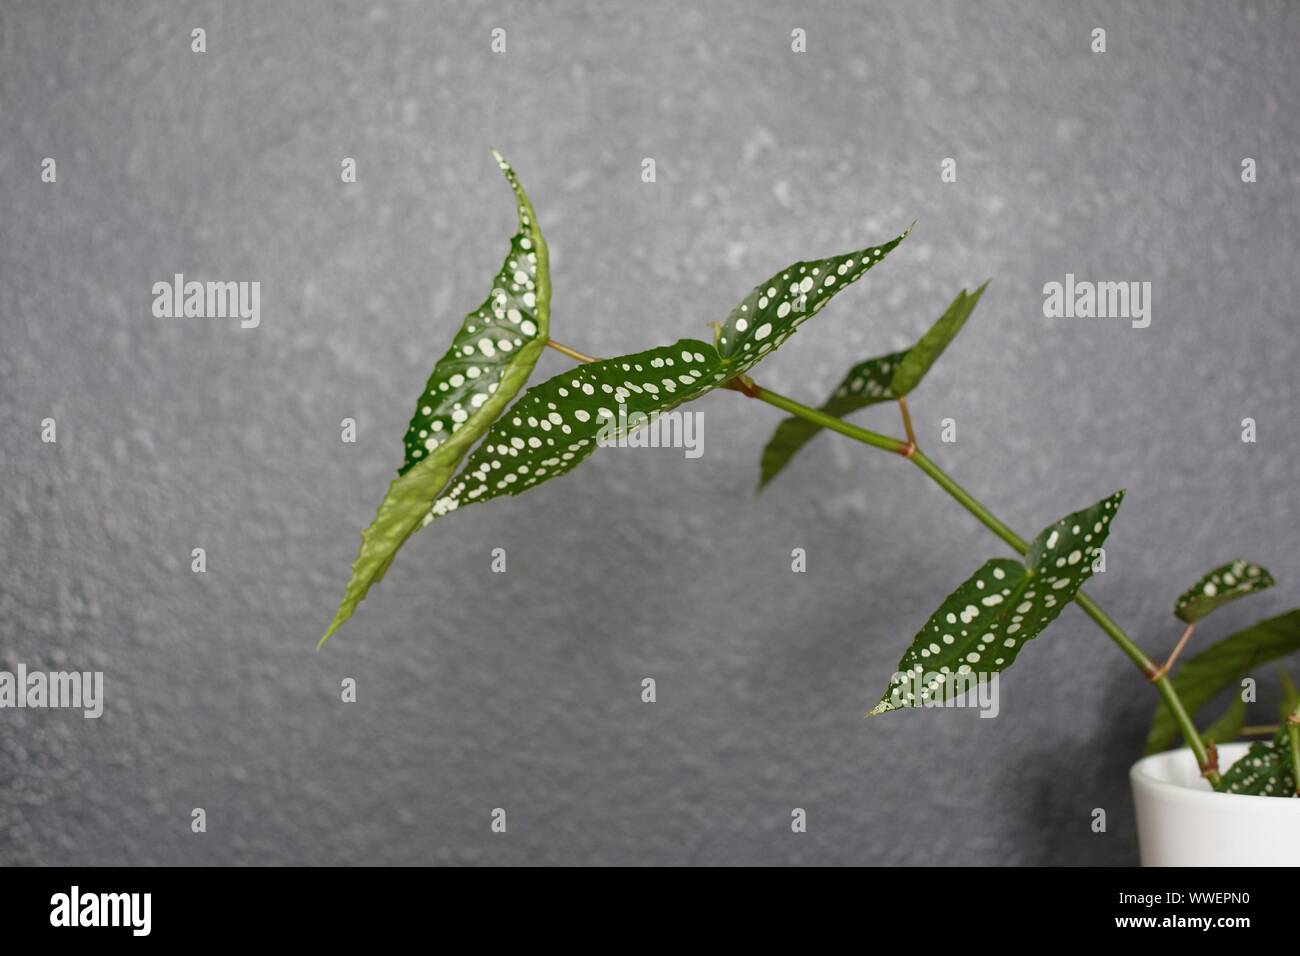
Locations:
(876, 380)
(772, 310)
(981, 627)
(926, 352)
(1265, 769)
(866, 384)
(556, 425)
(1215, 589)
(1063, 553)
(490, 359)
(1202, 677)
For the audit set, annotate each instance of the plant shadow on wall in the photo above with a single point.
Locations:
(467, 443)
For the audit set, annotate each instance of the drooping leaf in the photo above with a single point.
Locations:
(922, 355)
(489, 360)
(1230, 723)
(879, 379)
(1265, 770)
(866, 384)
(1203, 676)
(1215, 589)
(556, 425)
(981, 627)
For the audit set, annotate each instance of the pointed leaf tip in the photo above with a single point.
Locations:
(922, 356)
(774, 309)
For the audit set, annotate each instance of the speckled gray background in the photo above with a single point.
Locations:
(522, 690)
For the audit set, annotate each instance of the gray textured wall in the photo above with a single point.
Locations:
(522, 690)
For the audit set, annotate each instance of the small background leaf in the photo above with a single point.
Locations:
(1215, 589)
(982, 625)
(926, 352)
(1209, 672)
(879, 379)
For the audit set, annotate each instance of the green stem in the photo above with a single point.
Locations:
(967, 501)
(1112, 630)
(1126, 644)
(875, 439)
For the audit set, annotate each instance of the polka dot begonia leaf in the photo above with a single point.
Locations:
(867, 383)
(490, 359)
(772, 310)
(1215, 589)
(980, 628)
(1265, 770)
(556, 425)
(1063, 553)
(1201, 678)
(876, 380)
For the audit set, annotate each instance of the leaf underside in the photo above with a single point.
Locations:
(1215, 589)
(557, 424)
(980, 628)
(490, 359)
(880, 379)
(1202, 677)
(1265, 769)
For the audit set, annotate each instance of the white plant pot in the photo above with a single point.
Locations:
(1183, 822)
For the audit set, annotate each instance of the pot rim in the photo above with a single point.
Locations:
(1150, 777)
